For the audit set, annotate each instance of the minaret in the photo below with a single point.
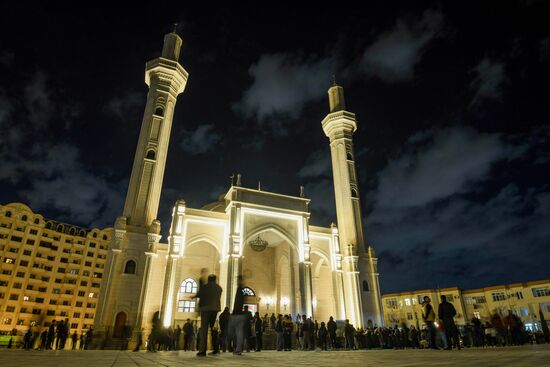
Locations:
(166, 79)
(339, 126)
(125, 287)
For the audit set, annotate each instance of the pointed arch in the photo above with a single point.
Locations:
(275, 229)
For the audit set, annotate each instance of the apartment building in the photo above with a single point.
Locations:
(48, 271)
(526, 300)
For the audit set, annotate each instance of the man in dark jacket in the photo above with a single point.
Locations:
(224, 323)
(331, 327)
(237, 322)
(258, 329)
(446, 314)
(210, 305)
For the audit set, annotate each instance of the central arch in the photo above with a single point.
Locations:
(273, 271)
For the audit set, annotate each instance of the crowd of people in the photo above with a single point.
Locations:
(239, 330)
(56, 337)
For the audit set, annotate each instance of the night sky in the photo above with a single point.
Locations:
(452, 102)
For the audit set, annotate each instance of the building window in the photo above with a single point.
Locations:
(524, 311)
(150, 154)
(477, 315)
(159, 112)
(349, 156)
(391, 303)
(248, 292)
(37, 221)
(8, 214)
(186, 306)
(130, 267)
(353, 193)
(91, 295)
(188, 286)
(541, 292)
(365, 286)
(519, 295)
(407, 301)
(409, 316)
(498, 296)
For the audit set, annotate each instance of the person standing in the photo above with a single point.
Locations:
(74, 340)
(446, 314)
(43, 340)
(237, 322)
(209, 295)
(139, 340)
(288, 328)
(89, 337)
(258, 328)
(82, 341)
(428, 315)
(177, 334)
(349, 332)
(322, 336)
(331, 327)
(223, 321)
(279, 330)
(27, 339)
(188, 335)
(51, 335)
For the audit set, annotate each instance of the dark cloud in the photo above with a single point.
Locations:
(488, 81)
(394, 54)
(318, 164)
(125, 105)
(38, 100)
(428, 217)
(49, 174)
(201, 140)
(283, 83)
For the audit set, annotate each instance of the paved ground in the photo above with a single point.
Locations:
(537, 355)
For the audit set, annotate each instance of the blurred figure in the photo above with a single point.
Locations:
(209, 295)
(428, 315)
(446, 313)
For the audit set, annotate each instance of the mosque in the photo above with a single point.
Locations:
(288, 265)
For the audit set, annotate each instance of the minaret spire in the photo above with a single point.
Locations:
(166, 79)
(339, 126)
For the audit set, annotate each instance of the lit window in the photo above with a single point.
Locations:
(248, 292)
(541, 292)
(408, 302)
(477, 315)
(25, 298)
(188, 286)
(91, 295)
(499, 296)
(186, 306)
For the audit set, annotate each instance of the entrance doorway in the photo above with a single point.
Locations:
(252, 307)
(120, 322)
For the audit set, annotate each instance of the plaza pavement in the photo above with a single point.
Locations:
(536, 355)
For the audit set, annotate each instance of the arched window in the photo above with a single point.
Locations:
(36, 221)
(24, 218)
(350, 158)
(159, 112)
(59, 228)
(248, 292)
(365, 286)
(72, 231)
(104, 237)
(49, 225)
(188, 286)
(353, 193)
(8, 214)
(82, 233)
(94, 235)
(150, 155)
(130, 267)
